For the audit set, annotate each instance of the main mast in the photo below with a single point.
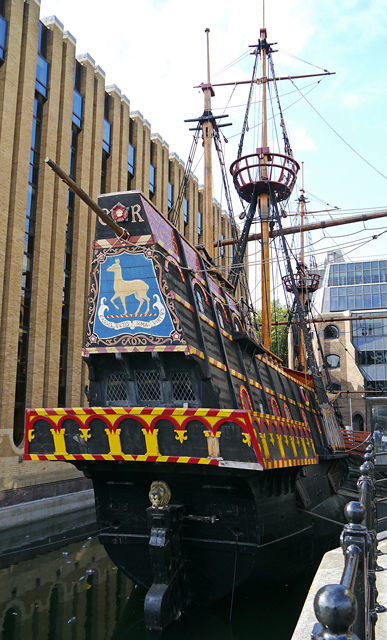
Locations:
(302, 364)
(207, 128)
(263, 179)
(264, 206)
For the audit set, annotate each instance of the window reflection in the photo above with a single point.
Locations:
(357, 273)
(3, 37)
(332, 361)
(358, 297)
(331, 331)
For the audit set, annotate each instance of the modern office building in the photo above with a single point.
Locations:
(352, 299)
(55, 103)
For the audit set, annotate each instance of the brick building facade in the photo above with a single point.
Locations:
(55, 103)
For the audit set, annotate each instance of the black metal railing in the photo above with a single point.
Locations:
(349, 610)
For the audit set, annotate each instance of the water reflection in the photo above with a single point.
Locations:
(71, 593)
(75, 593)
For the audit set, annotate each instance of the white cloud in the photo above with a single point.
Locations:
(352, 100)
(301, 141)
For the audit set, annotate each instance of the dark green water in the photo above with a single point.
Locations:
(74, 592)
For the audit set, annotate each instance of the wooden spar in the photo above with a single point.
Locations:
(309, 227)
(119, 231)
(207, 142)
(278, 323)
(264, 213)
(264, 80)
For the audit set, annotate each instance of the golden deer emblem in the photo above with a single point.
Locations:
(124, 288)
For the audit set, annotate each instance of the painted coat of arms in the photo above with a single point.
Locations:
(130, 302)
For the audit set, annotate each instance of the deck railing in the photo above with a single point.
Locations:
(356, 442)
(349, 610)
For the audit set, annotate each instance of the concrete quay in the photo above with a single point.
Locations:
(329, 572)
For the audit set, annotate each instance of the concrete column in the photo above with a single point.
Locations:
(146, 135)
(89, 178)
(47, 272)
(9, 79)
(165, 180)
(157, 161)
(59, 220)
(176, 176)
(17, 203)
(113, 165)
(124, 142)
(138, 143)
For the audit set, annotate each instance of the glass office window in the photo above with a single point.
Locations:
(185, 211)
(106, 136)
(152, 179)
(170, 195)
(200, 223)
(3, 38)
(370, 296)
(343, 274)
(131, 159)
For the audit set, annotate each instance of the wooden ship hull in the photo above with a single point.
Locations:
(181, 392)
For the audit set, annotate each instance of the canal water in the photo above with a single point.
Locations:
(68, 589)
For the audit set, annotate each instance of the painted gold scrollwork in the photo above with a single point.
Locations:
(246, 439)
(85, 434)
(181, 435)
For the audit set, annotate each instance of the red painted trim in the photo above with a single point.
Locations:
(244, 395)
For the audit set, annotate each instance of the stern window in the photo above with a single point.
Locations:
(182, 387)
(117, 390)
(148, 386)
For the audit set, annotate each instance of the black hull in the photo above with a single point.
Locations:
(261, 525)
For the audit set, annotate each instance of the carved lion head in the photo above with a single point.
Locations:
(159, 493)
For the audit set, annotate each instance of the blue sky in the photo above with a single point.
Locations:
(155, 52)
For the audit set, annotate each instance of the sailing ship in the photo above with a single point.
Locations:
(242, 458)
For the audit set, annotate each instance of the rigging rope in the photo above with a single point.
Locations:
(285, 109)
(175, 211)
(291, 55)
(338, 135)
(288, 149)
(245, 121)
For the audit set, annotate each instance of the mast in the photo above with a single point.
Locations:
(302, 266)
(264, 208)
(207, 128)
(262, 178)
